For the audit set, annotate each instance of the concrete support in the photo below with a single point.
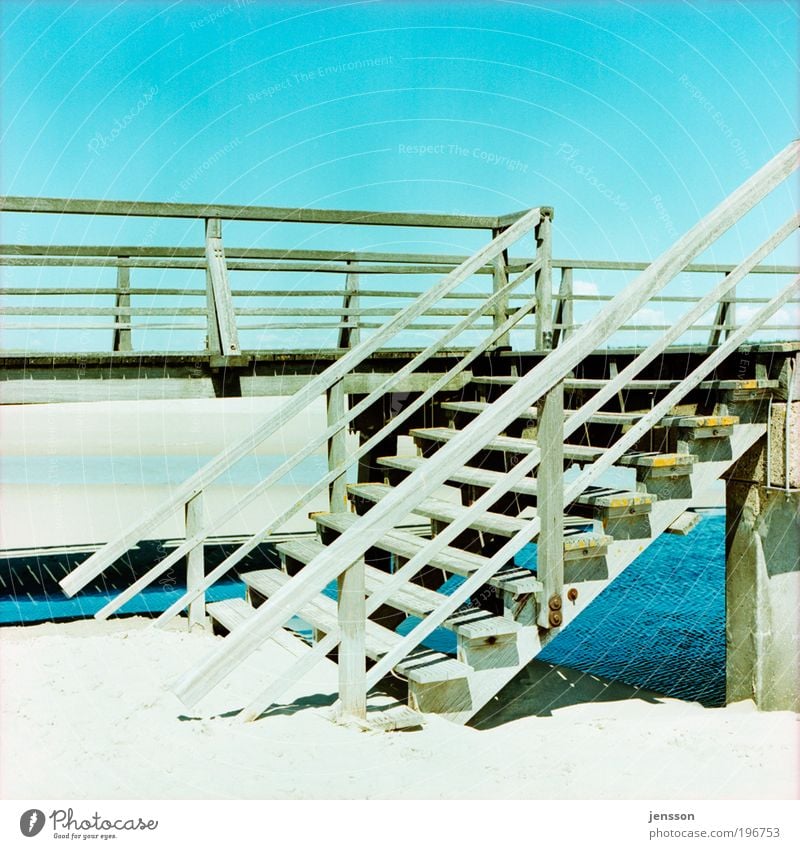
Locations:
(763, 569)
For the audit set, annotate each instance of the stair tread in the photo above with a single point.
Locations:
(700, 421)
(449, 559)
(321, 613)
(507, 443)
(229, 612)
(574, 538)
(532, 413)
(517, 445)
(410, 598)
(599, 496)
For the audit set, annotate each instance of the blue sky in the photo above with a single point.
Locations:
(631, 119)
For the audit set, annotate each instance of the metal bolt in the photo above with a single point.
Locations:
(555, 602)
(572, 594)
(555, 619)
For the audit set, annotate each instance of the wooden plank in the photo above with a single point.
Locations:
(352, 661)
(550, 507)
(195, 563)
(92, 567)
(564, 316)
(337, 445)
(221, 289)
(544, 286)
(230, 212)
(350, 335)
(500, 281)
(122, 337)
(684, 524)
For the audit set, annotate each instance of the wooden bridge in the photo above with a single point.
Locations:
(498, 383)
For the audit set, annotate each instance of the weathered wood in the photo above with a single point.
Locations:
(500, 281)
(352, 659)
(563, 317)
(221, 289)
(230, 212)
(195, 563)
(337, 445)
(349, 336)
(544, 286)
(550, 480)
(122, 336)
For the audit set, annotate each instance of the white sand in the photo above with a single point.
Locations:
(85, 714)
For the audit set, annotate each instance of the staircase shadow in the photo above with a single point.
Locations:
(541, 688)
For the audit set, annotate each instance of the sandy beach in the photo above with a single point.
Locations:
(86, 714)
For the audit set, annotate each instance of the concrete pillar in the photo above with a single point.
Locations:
(763, 569)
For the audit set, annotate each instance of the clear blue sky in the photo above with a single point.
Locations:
(631, 119)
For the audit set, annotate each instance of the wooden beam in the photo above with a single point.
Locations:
(230, 212)
(544, 287)
(122, 337)
(500, 281)
(563, 316)
(195, 562)
(550, 506)
(352, 616)
(337, 445)
(221, 290)
(350, 335)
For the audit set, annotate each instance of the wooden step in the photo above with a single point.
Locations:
(640, 385)
(584, 453)
(508, 444)
(230, 613)
(411, 598)
(452, 560)
(532, 413)
(609, 501)
(577, 543)
(423, 667)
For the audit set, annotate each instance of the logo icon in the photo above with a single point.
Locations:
(31, 822)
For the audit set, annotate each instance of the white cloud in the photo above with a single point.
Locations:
(585, 287)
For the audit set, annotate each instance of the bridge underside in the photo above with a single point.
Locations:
(125, 376)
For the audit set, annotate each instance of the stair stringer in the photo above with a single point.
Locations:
(621, 553)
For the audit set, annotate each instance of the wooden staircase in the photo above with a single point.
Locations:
(511, 459)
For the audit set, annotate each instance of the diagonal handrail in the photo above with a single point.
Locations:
(402, 499)
(115, 548)
(446, 535)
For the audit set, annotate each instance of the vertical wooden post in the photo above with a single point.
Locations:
(564, 311)
(550, 506)
(352, 654)
(337, 446)
(213, 229)
(499, 280)
(350, 335)
(544, 285)
(122, 337)
(195, 562)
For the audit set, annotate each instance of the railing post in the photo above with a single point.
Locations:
(544, 284)
(563, 314)
(337, 446)
(352, 614)
(550, 506)
(223, 338)
(500, 280)
(122, 337)
(195, 562)
(350, 334)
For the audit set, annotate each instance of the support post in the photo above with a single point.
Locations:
(122, 336)
(352, 612)
(550, 506)
(544, 284)
(337, 446)
(350, 334)
(564, 312)
(195, 562)
(213, 229)
(220, 294)
(762, 569)
(500, 280)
